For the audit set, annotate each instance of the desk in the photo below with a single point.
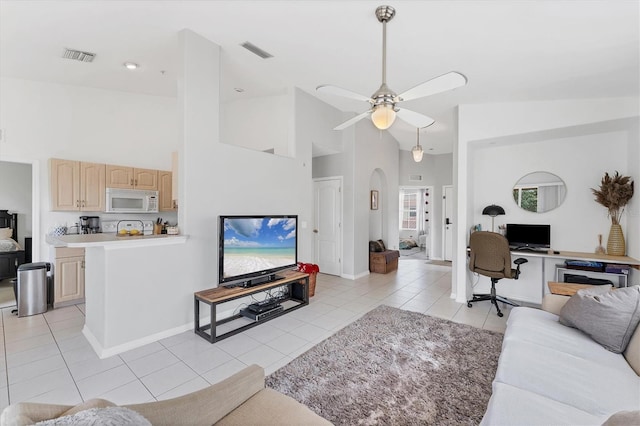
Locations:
(575, 255)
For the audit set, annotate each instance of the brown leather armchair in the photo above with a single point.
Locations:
(491, 257)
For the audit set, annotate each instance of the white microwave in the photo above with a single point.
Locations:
(131, 201)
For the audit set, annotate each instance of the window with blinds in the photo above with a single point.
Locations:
(409, 211)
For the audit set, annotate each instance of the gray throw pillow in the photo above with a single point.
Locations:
(608, 317)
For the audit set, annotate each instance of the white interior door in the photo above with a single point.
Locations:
(327, 229)
(447, 214)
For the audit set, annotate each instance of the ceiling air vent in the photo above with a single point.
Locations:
(78, 55)
(256, 50)
(415, 178)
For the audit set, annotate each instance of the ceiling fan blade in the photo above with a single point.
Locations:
(440, 84)
(353, 120)
(415, 119)
(339, 91)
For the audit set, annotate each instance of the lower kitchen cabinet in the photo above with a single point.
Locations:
(68, 279)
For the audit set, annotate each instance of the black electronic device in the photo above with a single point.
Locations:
(528, 236)
(252, 249)
(263, 306)
(257, 316)
(582, 279)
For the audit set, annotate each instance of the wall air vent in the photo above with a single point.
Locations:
(78, 55)
(415, 178)
(256, 50)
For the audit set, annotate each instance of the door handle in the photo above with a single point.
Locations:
(447, 221)
(315, 231)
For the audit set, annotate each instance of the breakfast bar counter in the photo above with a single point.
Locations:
(133, 288)
(96, 240)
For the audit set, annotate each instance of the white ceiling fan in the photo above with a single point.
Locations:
(383, 102)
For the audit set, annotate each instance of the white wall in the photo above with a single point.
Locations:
(43, 120)
(369, 161)
(436, 171)
(372, 151)
(633, 208)
(224, 179)
(576, 223)
(15, 195)
(259, 123)
(376, 217)
(594, 121)
(328, 165)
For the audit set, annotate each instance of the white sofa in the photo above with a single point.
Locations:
(552, 374)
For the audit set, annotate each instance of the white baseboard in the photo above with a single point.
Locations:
(354, 277)
(118, 349)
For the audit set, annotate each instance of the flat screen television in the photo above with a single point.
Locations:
(253, 248)
(528, 236)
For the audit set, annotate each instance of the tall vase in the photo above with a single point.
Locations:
(615, 244)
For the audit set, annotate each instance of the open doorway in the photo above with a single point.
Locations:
(16, 198)
(415, 225)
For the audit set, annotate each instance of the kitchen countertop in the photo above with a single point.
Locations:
(112, 240)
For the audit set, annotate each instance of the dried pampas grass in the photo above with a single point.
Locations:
(614, 193)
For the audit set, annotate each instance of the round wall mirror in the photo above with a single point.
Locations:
(539, 192)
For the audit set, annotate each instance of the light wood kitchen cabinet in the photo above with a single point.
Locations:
(68, 279)
(131, 178)
(165, 188)
(77, 186)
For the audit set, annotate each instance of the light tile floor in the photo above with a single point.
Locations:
(45, 358)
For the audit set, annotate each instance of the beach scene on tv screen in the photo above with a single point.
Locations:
(257, 244)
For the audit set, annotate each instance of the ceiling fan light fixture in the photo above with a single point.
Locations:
(417, 151)
(383, 116)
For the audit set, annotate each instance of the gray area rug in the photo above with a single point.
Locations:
(396, 367)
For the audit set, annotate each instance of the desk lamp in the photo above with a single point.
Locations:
(493, 211)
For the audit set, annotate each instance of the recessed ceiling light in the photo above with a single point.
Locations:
(131, 65)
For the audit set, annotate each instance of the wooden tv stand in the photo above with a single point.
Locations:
(297, 282)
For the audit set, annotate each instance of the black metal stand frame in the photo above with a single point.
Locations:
(298, 292)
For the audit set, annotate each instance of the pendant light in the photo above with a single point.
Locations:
(417, 150)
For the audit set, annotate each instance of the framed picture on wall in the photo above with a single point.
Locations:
(374, 200)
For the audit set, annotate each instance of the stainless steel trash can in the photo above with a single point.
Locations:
(31, 288)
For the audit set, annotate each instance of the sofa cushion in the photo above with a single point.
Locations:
(632, 353)
(598, 384)
(108, 416)
(623, 418)
(91, 403)
(270, 407)
(510, 405)
(608, 317)
(207, 405)
(542, 328)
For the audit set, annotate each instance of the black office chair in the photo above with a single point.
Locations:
(490, 256)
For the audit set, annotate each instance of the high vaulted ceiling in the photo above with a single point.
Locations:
(509, 50)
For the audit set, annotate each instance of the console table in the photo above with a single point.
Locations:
(573, 255)
(297, 282)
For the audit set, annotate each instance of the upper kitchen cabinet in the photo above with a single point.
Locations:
(165, 188)
(131, 178)
(77, 186)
